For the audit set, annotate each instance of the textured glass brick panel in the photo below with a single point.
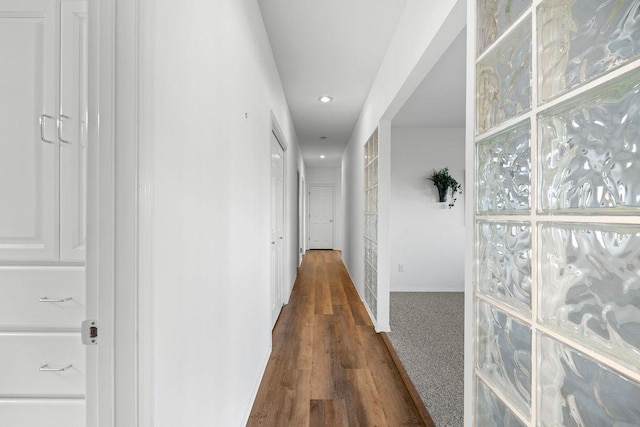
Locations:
(504, 79)
(491, 411)
(367, 153)
(583, 39)
(576, 391)
(590, 286)
(504, 354)
(374, 227)
(494, 17)
(504, 267)
(371, 223)
(504, 171)
(590, 150)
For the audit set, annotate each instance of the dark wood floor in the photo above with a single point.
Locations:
(328, 366)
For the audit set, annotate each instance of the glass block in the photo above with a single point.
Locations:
(369, 202)
(504, 354)
(374, 227)
(370, 226)
(374, 200)
(574, 390)
(367, 251)
(590, 151)
(504, 267)
(504, 171)
(374, 253)
(495, 17)
(374, 143)
(491, 411)
(581, 40)
(504, 79)
(590, 286)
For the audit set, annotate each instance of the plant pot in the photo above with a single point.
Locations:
(442, 194)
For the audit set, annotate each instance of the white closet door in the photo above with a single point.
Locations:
(28, 146)
(73, 130)
(320, 217)
(277, 228)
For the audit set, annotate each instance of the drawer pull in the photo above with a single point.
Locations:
(46, 368)
(45, 299)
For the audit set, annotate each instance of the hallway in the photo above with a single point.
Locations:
(328, 366)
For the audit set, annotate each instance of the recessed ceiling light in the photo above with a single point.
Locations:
(322, 156)
(325, 99)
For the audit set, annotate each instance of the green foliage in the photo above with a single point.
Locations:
(443, 181)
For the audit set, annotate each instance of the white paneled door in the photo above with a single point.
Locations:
(43, 118)
(320, 217)
(277, 228)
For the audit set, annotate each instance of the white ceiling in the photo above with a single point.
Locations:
(335, 47)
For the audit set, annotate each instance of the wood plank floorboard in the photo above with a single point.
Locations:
(328, 366)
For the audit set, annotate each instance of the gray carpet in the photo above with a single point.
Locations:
(427, 332)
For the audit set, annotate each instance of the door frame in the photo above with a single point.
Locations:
(118, 379)
(333, 212)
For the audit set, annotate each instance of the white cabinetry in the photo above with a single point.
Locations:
(43, 104)
(43, 152)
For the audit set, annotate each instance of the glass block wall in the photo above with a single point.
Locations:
(371, 223)
(557, 213)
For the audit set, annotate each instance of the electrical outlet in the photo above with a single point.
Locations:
(400, 268)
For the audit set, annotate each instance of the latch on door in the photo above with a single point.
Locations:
(89, 332)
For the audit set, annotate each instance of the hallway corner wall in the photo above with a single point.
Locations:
(210, 84)
(420, 38)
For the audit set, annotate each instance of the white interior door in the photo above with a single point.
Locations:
(277, 228)
(320, 217)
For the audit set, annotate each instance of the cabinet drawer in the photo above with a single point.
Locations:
(22, 288)
(24, 354)
(43, 412)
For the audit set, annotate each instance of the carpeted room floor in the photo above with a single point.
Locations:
(427, 332)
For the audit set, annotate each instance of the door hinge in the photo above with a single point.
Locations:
(89, 331)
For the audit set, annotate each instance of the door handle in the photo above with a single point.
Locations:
(59, 125)
(43, 118)
(46, 368)
(273, 242)
(45, 299)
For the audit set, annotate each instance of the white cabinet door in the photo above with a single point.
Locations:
(28, 163)
(41, 365)
(43, 412)
(72, 132)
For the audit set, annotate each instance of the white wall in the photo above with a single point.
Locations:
(427, 238)
(330, 176)
(425, 31)
(209, 83)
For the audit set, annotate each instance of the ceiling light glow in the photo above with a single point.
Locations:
(325, 99)
(322, 156)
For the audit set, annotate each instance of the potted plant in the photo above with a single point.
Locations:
(445, 182)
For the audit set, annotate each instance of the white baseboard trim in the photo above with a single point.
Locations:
(440, 289)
